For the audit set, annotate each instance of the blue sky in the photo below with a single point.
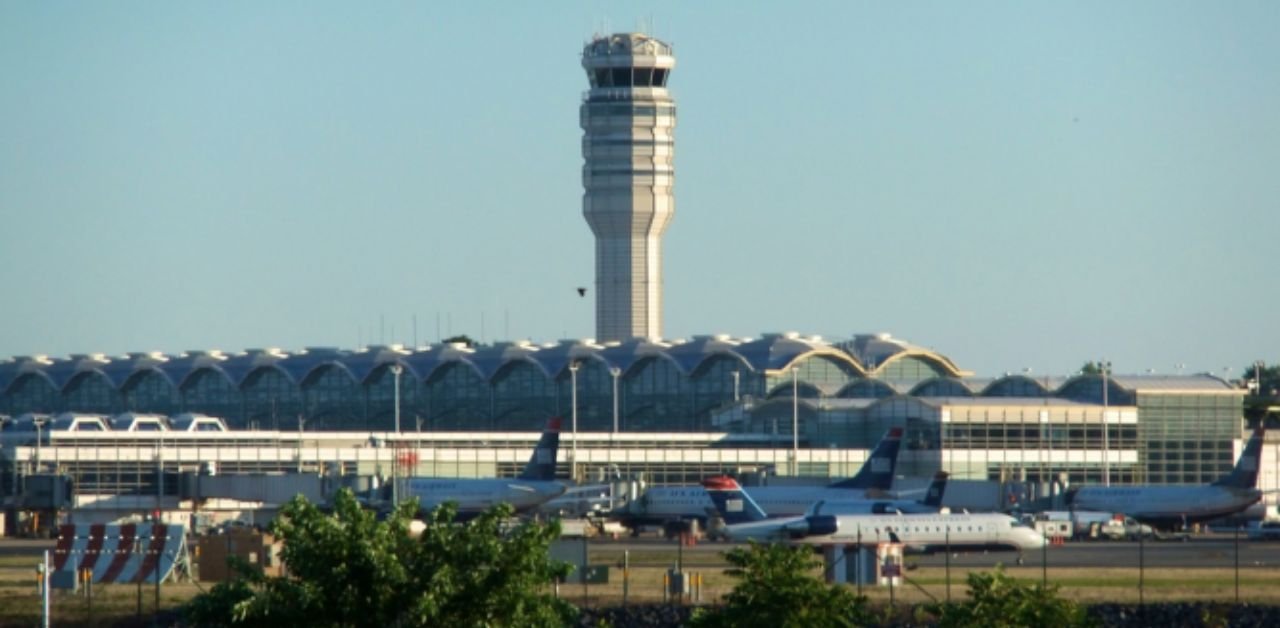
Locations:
(1015, 185)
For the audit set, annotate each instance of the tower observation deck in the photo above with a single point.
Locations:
(628, 119)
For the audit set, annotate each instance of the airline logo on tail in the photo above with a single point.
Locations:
(542, 464)
(731, 502)
(1245, 473)
(877, 473)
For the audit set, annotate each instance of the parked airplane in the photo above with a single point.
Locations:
(660, 505)
(1173, 507)
(535, 485)
(919, 533)
(931, 503)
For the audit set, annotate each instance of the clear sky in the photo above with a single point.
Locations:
(1015, 185)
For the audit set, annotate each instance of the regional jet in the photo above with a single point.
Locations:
(660, 505)
(919, 533)
(1173, 507)
(535, 485)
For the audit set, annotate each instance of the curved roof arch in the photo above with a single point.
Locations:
(627, 355)
(493, 359)
(141, 373)
(805, 390)
(320, 369)
(195, 372)
(874, 351)
(867, 388)
(34, 375)
(303, 365)
(364, 363)
(924, 355)
(774, 353)
(241, 366)
(710, 360)
(1009, 384)
(80, 376)
(555, 359)
(690, 355)
(942, 387)
(256, 372)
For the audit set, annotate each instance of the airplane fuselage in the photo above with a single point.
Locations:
(662, 503)
(920, 533)
(473, 495)
(1166, 506)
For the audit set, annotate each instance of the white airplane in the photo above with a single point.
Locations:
(919, 533)
(535, 485)
(1171, 507)
(931, 503)
(662, 504)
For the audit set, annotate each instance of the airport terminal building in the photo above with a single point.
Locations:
(793, 404)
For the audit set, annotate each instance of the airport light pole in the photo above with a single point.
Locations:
(1106, 427)
(396, 369)
(795, 421)
(616, 373)
(736, 376)
(573, 409)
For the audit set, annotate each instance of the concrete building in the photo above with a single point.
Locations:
(628, 119)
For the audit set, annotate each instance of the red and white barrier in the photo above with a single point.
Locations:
(122, 553)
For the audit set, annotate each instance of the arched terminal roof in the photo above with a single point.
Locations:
(774, 353)
(425, 363)
(303, 364)
(61, 372)
(555, 359)
(363, 362)
(238, 367)
(625, 355)
(874, 351)
(769, 354)
(180, 368)
(490, 359)
(689, 355)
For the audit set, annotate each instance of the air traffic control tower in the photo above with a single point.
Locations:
(628, 119)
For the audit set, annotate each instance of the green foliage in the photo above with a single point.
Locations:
(349, 569)
(996, 600)
(1269, 375)
(463, 338)
(1091, 368)
(777, 589)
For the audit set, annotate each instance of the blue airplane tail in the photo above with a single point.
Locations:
(542, 464)
(939, 486)
(877, 471)
(1245, 473)
(732, 503)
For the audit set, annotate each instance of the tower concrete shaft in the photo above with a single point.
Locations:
(628, 119)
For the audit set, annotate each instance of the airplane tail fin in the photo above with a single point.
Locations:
(939, 486)
(732, 503)
(1245, 473)
(877, 471)
(542, 464)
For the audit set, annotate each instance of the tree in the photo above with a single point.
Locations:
(462, 338)
(998, 600)
(349, 569)
(778, 589)
(1091, 368)
(1269, 375)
